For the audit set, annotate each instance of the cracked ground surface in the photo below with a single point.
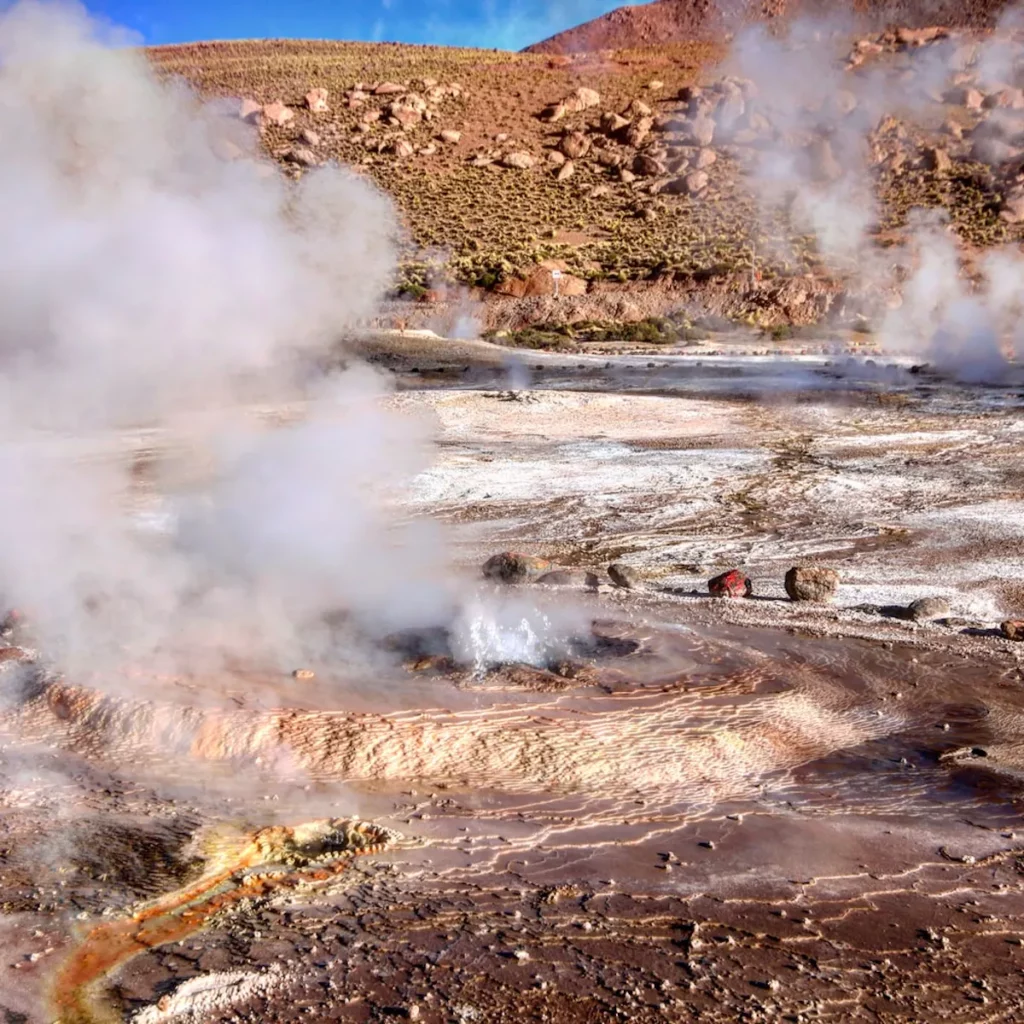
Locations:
(760, 811)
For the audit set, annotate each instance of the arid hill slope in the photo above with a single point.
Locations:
(675, 21)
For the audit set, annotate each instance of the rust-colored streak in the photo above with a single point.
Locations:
(291, 858)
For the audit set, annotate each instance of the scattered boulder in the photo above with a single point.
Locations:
(554, 113)
(964, 96)
(647, 166)
(277, 113)
(450, 136)
(518, 160)
(623, 576)
(811, 583)
(301, 156)
(612, 123)
(402, 148)
(695, 182)
(575, 145)
(566, 171)
(316, 100)
(925, 609)
(582, 99)
(638, 131)
(388, 89)
(556, 158)
(309, 137)
(1012, 99)
(702, 130)
(1013, 629)
(732, 584)
(637, 108)
(705, 158)
(937, 159)
(513, 567)
(250, 110)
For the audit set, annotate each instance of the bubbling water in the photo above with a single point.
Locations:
(499, 629)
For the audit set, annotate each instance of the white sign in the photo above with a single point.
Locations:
(556, 276)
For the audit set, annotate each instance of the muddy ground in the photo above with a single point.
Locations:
(746, 810)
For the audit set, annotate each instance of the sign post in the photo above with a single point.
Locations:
(556, 276)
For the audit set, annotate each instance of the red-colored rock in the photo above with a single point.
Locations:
(733, 583)
(1013, 629)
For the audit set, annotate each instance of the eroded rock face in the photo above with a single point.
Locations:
(513, 567)
(812, 583)
(731, 584)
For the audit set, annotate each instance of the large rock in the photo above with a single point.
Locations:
(648, 167)
(250, 110)
(575, 145)
(518, 160)
(733, 583)
(612, 123)
(566, 171)
(513, 567)
(302, 156)
(924, 609)
(702, 131)
(316, 100)
(1013, 629)
(277, 113)
(582, 99)
(811, 583)
(638, 131)
(964, 96)
(623, 576)
(450, 136)
(407, 117)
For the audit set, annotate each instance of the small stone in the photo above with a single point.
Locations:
(731, 584)
(304, 674)
(450, 136)
(521, 955)
(566, 171)
(302, 157)
(926, 608)
(413, 1012)
(811, 583)
(310, 137)
(249, 110)
(623, 576)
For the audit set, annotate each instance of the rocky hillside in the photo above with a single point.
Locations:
(635, 173)
(672, 21)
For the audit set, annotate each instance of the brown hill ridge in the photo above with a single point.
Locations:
(674, 21)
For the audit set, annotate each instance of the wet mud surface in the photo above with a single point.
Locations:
(745, 810)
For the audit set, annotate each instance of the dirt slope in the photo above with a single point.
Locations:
(673, 21)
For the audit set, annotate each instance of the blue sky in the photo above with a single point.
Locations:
(506, 24)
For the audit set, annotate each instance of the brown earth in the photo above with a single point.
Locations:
(635, 229)
(671, 21)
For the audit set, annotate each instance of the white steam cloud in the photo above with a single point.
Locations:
(825, 126)
(154, 289)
